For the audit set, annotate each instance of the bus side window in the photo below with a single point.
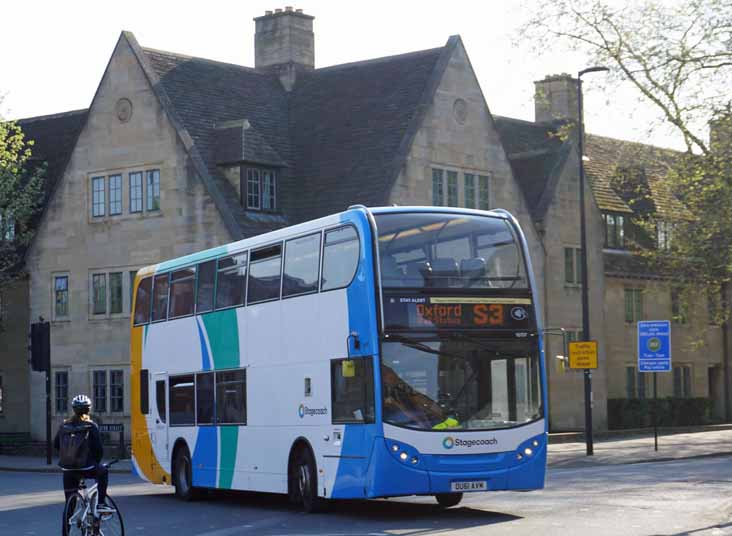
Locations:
(340, 258)
(181, 292)
(142, 303)
(160, 298)
(352, 390)
(205, 398)
(302, 262)
(205, 293)
(232, 273)
(265, 274)
(231, 396)
(160, 399)
(182, 400)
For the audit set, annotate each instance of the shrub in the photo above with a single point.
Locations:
(638, 413)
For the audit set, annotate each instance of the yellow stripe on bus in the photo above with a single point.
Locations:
(506, 301)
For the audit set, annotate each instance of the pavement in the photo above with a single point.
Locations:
(610, 449)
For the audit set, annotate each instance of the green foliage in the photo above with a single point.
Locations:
(626, 413)
(21, 194)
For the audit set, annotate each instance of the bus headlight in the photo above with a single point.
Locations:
(403, 456)
(404, 453)
(528, 451)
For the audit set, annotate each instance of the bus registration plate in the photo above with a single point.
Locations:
(473, 485)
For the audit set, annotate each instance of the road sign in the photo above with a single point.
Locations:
(654, 346)
(583, 354)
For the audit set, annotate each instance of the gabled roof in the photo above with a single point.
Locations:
(54, 137)
(537, 154)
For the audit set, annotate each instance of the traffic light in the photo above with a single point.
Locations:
(41, 346)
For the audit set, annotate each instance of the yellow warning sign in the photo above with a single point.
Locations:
(583, 354)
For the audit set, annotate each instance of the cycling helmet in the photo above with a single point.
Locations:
(81, 404)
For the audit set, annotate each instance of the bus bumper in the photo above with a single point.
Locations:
(391, 476)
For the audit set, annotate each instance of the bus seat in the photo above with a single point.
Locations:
(472, 270)
(445, 268)
(418, 273)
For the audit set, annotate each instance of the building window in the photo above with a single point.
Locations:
(61, 296)
(136, 191)
(438, 193)
(679, 310)
(635, 383)
(98, 197)
(713, 307)
(153, 189)
(99, 390)
(452, 189)
(115, 292)
(253, 189)
(268, 189)
(469, 190)
(99, 294)
(573, 266)
(682, 381)
(633, 304)
(2, 406)
(261, 189)
(7, 227)
(664, 233)
(614, 230)
(484, 200)
(116, 390)
(61, 394)
(115, 195)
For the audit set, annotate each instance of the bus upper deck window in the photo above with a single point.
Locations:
(340, 257)
(142, 303)
(160, 298)
(264, 274)
(232, 273)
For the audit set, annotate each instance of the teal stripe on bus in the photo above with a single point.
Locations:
(227, 465)
(192, 259)
(220, 326)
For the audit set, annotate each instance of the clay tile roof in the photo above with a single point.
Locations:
(610, 157)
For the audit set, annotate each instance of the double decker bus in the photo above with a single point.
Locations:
(373, 353)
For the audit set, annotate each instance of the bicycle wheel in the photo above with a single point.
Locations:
(111, 524)
(74, 518)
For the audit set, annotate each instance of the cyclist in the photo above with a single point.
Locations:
(80, 452)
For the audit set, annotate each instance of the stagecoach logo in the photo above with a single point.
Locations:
(304, 411)
(519, 313)
(450, 442)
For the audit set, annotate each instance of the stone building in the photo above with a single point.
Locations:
(177, 154)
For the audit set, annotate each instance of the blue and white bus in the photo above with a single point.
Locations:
(377, 352)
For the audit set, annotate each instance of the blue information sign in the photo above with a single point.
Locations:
(654, 346)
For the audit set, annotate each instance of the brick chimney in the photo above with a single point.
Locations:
(555, 98)
(720, 133)
(284, 42)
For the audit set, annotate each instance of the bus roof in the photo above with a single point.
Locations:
(334, 219)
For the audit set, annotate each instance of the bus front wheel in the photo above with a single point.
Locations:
(182, 475)
(446, 500)
(305, 480)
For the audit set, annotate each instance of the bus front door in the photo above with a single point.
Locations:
(159, 431)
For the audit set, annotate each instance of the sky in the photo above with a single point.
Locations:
(54, 53)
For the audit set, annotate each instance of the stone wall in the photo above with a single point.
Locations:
(72, 242)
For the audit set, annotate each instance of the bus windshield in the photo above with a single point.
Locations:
(460, 383)
(439, 250)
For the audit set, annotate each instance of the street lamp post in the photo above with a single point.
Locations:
(583, 247)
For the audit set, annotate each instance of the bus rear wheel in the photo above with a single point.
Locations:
(446, 500)
(182, 475)
(304, 478)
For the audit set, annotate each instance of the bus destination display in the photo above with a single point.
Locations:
(425, 312)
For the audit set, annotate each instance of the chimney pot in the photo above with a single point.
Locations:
(278, 10)
(267, 12)
(288, 8)
(298, 10)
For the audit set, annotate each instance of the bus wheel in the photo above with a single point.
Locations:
(305, 478)
(182, 475)
(446, 500)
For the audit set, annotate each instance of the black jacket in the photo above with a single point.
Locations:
(96, 451)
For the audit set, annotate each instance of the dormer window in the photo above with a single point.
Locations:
(664, 234)
(614, 230)
(259, 189)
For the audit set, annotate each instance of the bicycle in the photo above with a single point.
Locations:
(82, 519)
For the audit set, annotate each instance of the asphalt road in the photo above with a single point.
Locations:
(663, 498)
